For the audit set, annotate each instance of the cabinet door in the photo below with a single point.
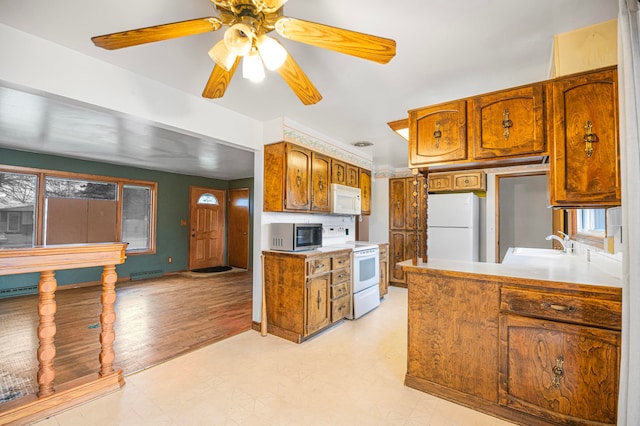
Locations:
(297, 183)
(396, 254)
(410, 245)
(318, 303)
(384, 278)
(353, 174)
(365, 191)
(469, 181)
(438, 134)
(585, 107)
(320, 169)
(508, 123)
(440, 182)
(563, 372)
(397, 200)
(338, 172)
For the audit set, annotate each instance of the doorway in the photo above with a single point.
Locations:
(523, 218)
(206, 227)
(238, 245)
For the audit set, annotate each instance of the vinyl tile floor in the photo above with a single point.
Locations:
(351, 374)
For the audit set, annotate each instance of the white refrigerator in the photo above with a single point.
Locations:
(453, 226)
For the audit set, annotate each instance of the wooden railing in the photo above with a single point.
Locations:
(47, 260)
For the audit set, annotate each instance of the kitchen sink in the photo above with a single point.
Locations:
(536, 252)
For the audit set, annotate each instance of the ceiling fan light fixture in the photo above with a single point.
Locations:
(273, 54)
(222, 56)
(252, 68)
(239, 39)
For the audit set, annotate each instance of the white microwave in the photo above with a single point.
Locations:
(345, 199)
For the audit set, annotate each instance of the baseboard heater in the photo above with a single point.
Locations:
(143, 275)
(18, 291)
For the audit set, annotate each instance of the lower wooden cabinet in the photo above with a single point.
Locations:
(384, 269)
(306, 292)
(532, 352)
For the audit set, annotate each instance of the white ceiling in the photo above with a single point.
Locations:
(445, 50)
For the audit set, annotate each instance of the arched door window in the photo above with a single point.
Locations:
(208, 199)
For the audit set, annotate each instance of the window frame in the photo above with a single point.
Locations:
(588, 238)
(42, 174)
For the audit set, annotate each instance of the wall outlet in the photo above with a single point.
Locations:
(169, 259)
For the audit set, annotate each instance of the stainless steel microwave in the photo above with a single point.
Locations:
(295, 236)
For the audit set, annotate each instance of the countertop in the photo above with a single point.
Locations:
(347, 246)
(568, 268)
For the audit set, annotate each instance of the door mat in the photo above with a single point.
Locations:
(212, 269)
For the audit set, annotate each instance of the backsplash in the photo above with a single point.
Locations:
(335, 229)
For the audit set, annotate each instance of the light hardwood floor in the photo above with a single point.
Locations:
(156, 320)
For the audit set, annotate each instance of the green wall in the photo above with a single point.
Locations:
(173, 206)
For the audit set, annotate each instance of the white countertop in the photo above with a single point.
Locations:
(562, 268)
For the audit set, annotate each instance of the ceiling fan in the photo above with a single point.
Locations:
(249, 22)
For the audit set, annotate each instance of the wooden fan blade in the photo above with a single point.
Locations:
(219, 81)
(304, 89)
(364, 46)
(156, 33)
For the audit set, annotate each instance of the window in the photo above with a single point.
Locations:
(587, 226)
(208, 199)
(76, 209)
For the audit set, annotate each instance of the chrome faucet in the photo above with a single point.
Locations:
(567, 244)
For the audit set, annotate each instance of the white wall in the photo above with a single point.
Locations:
(379, 219)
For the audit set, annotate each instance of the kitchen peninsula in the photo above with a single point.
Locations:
(536, 342)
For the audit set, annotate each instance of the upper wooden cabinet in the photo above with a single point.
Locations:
(353, 176)
(508, 123)
(463, 181)
(297, 179)
(338, 172)
(438, 134)
(320, 178)
(365, 191)
(585, 159)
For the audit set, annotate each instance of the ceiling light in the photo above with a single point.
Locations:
(401, 127)
(222, 56)
(239, 39)
(362, 144)
(252, 67)
(271, 51)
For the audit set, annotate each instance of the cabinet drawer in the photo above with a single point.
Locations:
(340, 308)
(440, 183)
(340, 290)
(562, 307)
(341, 261)
(473, 180)
(341, 275)
(318, 266)
(384, 249)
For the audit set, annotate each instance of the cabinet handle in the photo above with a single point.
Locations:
(558, 371)
(558, 308)
(320, 184)
(299, 178)
(437, 134)
(589, 139)
(319, 299)
(340, 175)
(398, 204)
(506, 123)
(341, 276)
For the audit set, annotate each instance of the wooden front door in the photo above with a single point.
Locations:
(206, 226)
(238, 246)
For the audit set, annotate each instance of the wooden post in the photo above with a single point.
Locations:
(107, 318)
(46, 332)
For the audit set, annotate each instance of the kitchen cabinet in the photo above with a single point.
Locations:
(306, 292)
(585, 159)
(560, 356)
(340, 287)
(320, 178)
(338, 172)
(353, 175)
(438, 134)
(297, 179)
(365, 191)
(508, 123)
(534, 352)
(384, 269)
(464, 181)
(403, 227)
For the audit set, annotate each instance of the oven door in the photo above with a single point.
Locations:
(366, 269)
